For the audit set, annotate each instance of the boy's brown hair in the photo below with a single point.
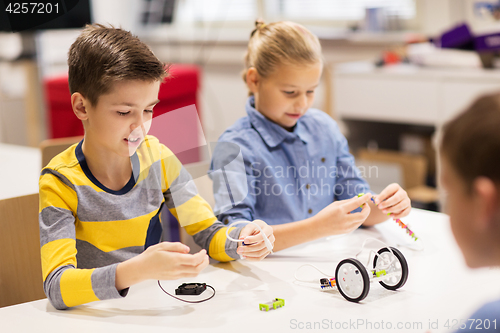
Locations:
(101, 56)
(471, 141)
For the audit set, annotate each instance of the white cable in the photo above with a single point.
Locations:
(375, 253)
(264, 236)
(316, 280)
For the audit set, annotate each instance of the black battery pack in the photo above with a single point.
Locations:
(191, 289)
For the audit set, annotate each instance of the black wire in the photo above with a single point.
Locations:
(180, 299)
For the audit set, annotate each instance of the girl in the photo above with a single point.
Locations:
(471, 178)
(300, 176)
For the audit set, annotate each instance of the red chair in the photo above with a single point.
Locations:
(177, 91)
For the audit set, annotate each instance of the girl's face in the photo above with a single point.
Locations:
(461, 208)
(286, 94)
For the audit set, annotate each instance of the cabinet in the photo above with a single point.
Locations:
(408, 94)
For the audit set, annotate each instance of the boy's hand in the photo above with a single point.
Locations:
(256, 248)
(170, 261)
(393, 199)
(336, 218)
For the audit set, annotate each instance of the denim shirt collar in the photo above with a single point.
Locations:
(272, 133)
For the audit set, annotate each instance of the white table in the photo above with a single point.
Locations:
(19, 169)
(440, 287)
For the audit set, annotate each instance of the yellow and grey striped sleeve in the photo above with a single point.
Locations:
(64, 284)
(193, 212)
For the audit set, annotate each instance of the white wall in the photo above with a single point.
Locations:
(12, 103)
(436, 16)
(119, 13)
(479, 25)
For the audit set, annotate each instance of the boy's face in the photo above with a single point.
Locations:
(288, 93)
(122, 118)
(461, 209)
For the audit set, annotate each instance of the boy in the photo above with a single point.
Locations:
(471, 177)
(101, 199)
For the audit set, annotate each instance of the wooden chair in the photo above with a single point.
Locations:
(51, 147)
(414, 169)
(20, 263)
(414, 166)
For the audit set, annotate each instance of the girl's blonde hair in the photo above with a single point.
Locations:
(280, 43)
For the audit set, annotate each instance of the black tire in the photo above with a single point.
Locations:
(404, 268)
(364, 276)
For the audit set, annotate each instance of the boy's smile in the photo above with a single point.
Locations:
(115, 127)
(134, 139)
(122, 118)
(287, 94)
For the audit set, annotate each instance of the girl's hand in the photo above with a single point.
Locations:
(394, 200)
(336, 218)
(255, 248)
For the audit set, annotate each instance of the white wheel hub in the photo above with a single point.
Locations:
(384, 262)
(350, 280)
